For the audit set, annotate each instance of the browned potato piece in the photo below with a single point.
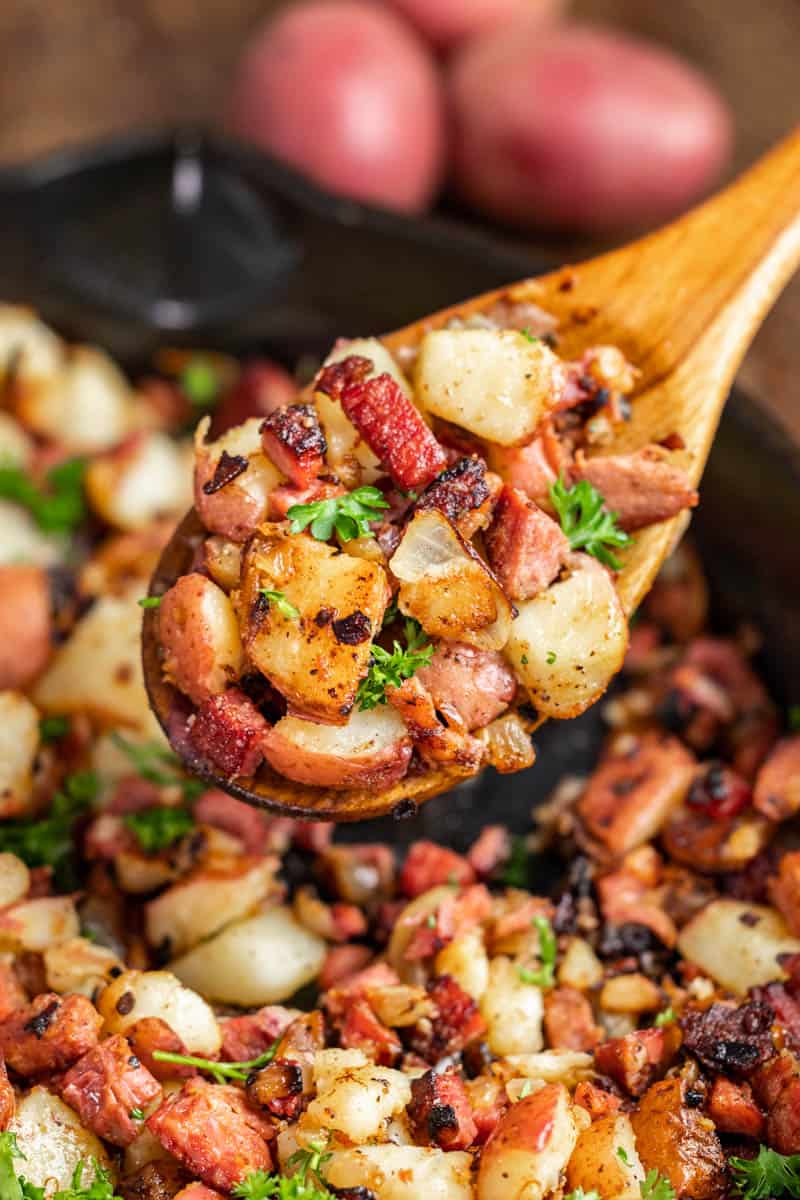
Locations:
(200, 637)
(596, 1165)
(530, 1147)
(317, 658)
(679, 1142)
(235, 508)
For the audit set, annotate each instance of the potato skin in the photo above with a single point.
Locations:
(200, 637)
(596, 1166)
(679, 1142)
(581, 128)
(447, 23)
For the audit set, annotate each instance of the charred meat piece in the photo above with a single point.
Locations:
(440, 1113)
(458, 1022)
(777, 1087)
(526, 548)
(464, 493)
(428, 865)
(386, 419)
(49, 1034)
(636, 1060)
(733, 1110)
(641, 488)
(568, 1020)
(292, 437)
(729, 1040)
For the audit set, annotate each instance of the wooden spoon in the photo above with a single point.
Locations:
(683, 305)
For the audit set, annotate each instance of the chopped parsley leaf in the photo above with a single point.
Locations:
(666, 1017)
(200, 383)
(53, 728)
(60, 507)
(529, 337)
(49, 842)
(150, 601)
(349, 516)
(544, 975)
(516, 872)
(656, 1187)
(580, 1194)
(220, 1071)
(390, 669)
(284, 606)
(586, 523)
(551, 657)
(769, 1174)
(158, 765)
(160, 827)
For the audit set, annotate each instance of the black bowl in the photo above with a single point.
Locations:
(197, 241)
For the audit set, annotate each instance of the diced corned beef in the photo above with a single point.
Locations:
(782, 999)
(356, 987)
(631, 792)
(439, 1111)
(626, 899)
(637, 1059)
(457, 912)
(458, 1022)
(7, 1102)
(150, 1034)
(427, 865)
(386, 419)
(283, 1087)
(641, 488)
(526, 548)
(490, 850)
(341, 962)
(733, 1109)
(133, 794)
(777, 1087)
(784, 891)
(105, 1086)
(247, 1037)
(12, 993)
(569, 1023)
(312, 836)
(228, 732)
(464, 493)
(360, 1029)
(293, 439)
(777, 788)
(730, 1040)
(225, 812)
(488, 1100)
(477, 684)
(597, 1097)
(209, 1129)
(534, 468)
(50, 1034)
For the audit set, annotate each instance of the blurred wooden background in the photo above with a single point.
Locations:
(77, 69)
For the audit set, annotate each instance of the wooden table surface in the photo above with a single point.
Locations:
(77, 70)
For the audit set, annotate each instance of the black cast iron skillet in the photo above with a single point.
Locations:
(193, 241)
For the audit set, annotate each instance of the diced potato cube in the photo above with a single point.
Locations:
(87, 405)
(147, 477)
(27, 345)
(54, 1143)
(315, 660)
(497, 384)
(737, 944)
(161, 994)
(19, 741)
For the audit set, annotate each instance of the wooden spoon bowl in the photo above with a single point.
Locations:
(683, 305)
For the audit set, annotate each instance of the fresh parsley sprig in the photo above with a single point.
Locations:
(57, 509)
(158, 765)
(665, 1017)
(656, 1187)
(349, 516)
(390, 669)
(580, 1194)
(311, 1160)
(220, 1071)
(259, 1185)
(586, 523)
(769, 1174)
(49, 842)
(544, 975)
(517, 871)
(200, 383)
(279, 601)
(159, 828)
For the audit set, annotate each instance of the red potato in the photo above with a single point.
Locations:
(449, 22)
(372, 750)
(25, 624)
(581, 128)
(344, 91)
(200, 637)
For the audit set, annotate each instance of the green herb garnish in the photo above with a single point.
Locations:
(136, 1114)
(49, 841)
(150, 601)
(656, 1187)
(794, 717)
(529, 337)
(158, 828)
(580, 1194)
(310, 1161)
(526, 1089)
(200, 383)
(57, 509)
(551, 657)
(158, 765)
(667, 1017)
(622, 1155)
(53, 728)
(284, 607)
(220, 1071)
(588, 525)
(390, 669)
(259, 1185)
(516, 872)
(348, 515)
(770, 1174)
(544, 975)
(14, 1186)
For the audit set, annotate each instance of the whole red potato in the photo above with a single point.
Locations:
(581, 128)
(448, 22)
(346, 92)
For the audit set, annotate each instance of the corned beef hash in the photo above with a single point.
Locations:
(199, 1000)
(404, 569)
